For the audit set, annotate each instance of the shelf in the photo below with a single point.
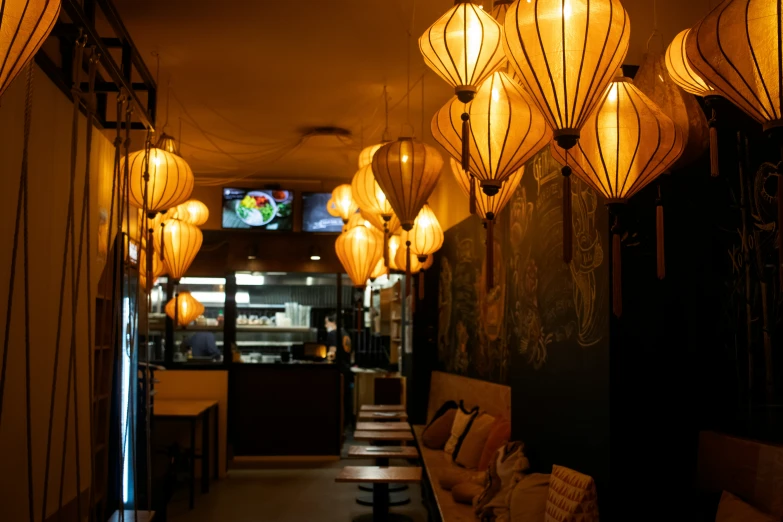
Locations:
(249, 328)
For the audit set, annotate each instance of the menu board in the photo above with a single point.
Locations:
(315, 217)
(258, 209)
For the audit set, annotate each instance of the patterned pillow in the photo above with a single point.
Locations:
(462, 422)
(475, 440)
(438, 431)
(572, 497)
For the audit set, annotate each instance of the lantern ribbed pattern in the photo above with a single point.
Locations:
(426, 236)
(365, 156)
(393, 225)
(463, 46)
(416, 265)
(355, 221)
(379, 270)
(736, 48)
(654, 81)
(185, 308)
(25, 25)
(407, 172)
(680, 69)
(566, 53)
(506, 130)
(359, 250)
(368, 194)
(625, 145)
(394, 246)
(181, 243)
(192, 211)
(499, 10)
(344, 202)
(488, 207)
(171, 180)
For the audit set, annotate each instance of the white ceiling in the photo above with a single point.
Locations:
(247, 76)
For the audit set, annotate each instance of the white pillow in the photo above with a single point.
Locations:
(462, 421)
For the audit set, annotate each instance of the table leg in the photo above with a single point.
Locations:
(192, 463)
(380, 502)
(206, 456)
(217, 441)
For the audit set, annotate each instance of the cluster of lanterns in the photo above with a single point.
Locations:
(161, 183)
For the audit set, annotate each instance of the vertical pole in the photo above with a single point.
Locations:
(230, 317)
(169, 354)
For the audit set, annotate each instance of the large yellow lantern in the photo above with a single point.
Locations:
(359, 249)
(507, 130)
(192, 211)
(178, 243)
(426, 236)
(464, 47)
(365, 156)
(344, 202)
(183, 308)
(379, 270)
(407, 172)
(170, 178)
(625, 145)
(357, 220)
(25, 26)
(393, 225)
(368, 194)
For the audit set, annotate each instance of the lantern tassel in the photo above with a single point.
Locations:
(465, 142)
(659, 238)
(568, 231)
(162, 240)
(714, 157)
(408, 268)
(386, 247)
(490, 255)
(617, 270)
(361, 313)
(472, 195)
(421, 285)
(176, 309)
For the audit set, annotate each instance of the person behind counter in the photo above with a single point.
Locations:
(202, 344)
(339, 351)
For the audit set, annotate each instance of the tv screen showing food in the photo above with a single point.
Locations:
(315, 217)
(258, 209)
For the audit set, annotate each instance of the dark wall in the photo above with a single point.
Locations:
(543, 328)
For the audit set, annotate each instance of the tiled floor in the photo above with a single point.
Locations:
(284, 495)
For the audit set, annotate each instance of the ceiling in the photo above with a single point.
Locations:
(246, 78)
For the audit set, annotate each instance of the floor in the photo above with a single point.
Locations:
(285, 495)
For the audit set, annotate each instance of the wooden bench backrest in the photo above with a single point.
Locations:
(751, 470)
(491, 398)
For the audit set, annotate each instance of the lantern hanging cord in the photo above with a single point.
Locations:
(408, 95)
(655, 25)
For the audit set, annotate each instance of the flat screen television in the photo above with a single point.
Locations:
(315, 218)
(262, 209)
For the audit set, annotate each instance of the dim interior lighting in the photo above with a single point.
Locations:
(315, 258)
(315, 253)
(252, 252)
(248, 279)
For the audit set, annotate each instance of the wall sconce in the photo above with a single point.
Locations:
(315, 253)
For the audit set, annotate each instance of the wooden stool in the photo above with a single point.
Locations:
(380, 416)
(381, 477)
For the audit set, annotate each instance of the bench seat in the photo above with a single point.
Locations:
(435, 464)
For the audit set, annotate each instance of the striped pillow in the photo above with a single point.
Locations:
(572, 497)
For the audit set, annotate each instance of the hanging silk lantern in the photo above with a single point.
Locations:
(346, 205)
(331, 208)
(499, 10)
(365, 156)
(393, 225)
(192, 211)
(681, 72)
(178, 243)
(507, 131)
(357, 220)
(379, 270)
(488, 207)
(464, 47)
(25, 26)
(407, 172)
(654, 81)
(566, 53)
(393, 247)
(359, 250)
(170, 178)
(737, 50)
(411, 264)
(183, 308)
(625, 144)
(426, 236)
(368, 194)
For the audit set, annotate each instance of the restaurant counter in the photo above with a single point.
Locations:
(290, 409)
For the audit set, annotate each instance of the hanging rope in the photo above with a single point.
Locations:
(568, 228)
(490, 251)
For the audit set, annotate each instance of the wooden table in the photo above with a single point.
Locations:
(382, 416)
(191, 411)
(382, 426)
(382, 407)
(380, 477)
(383, 453)
(383, 436)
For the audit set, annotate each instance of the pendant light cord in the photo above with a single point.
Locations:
(408, 95)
